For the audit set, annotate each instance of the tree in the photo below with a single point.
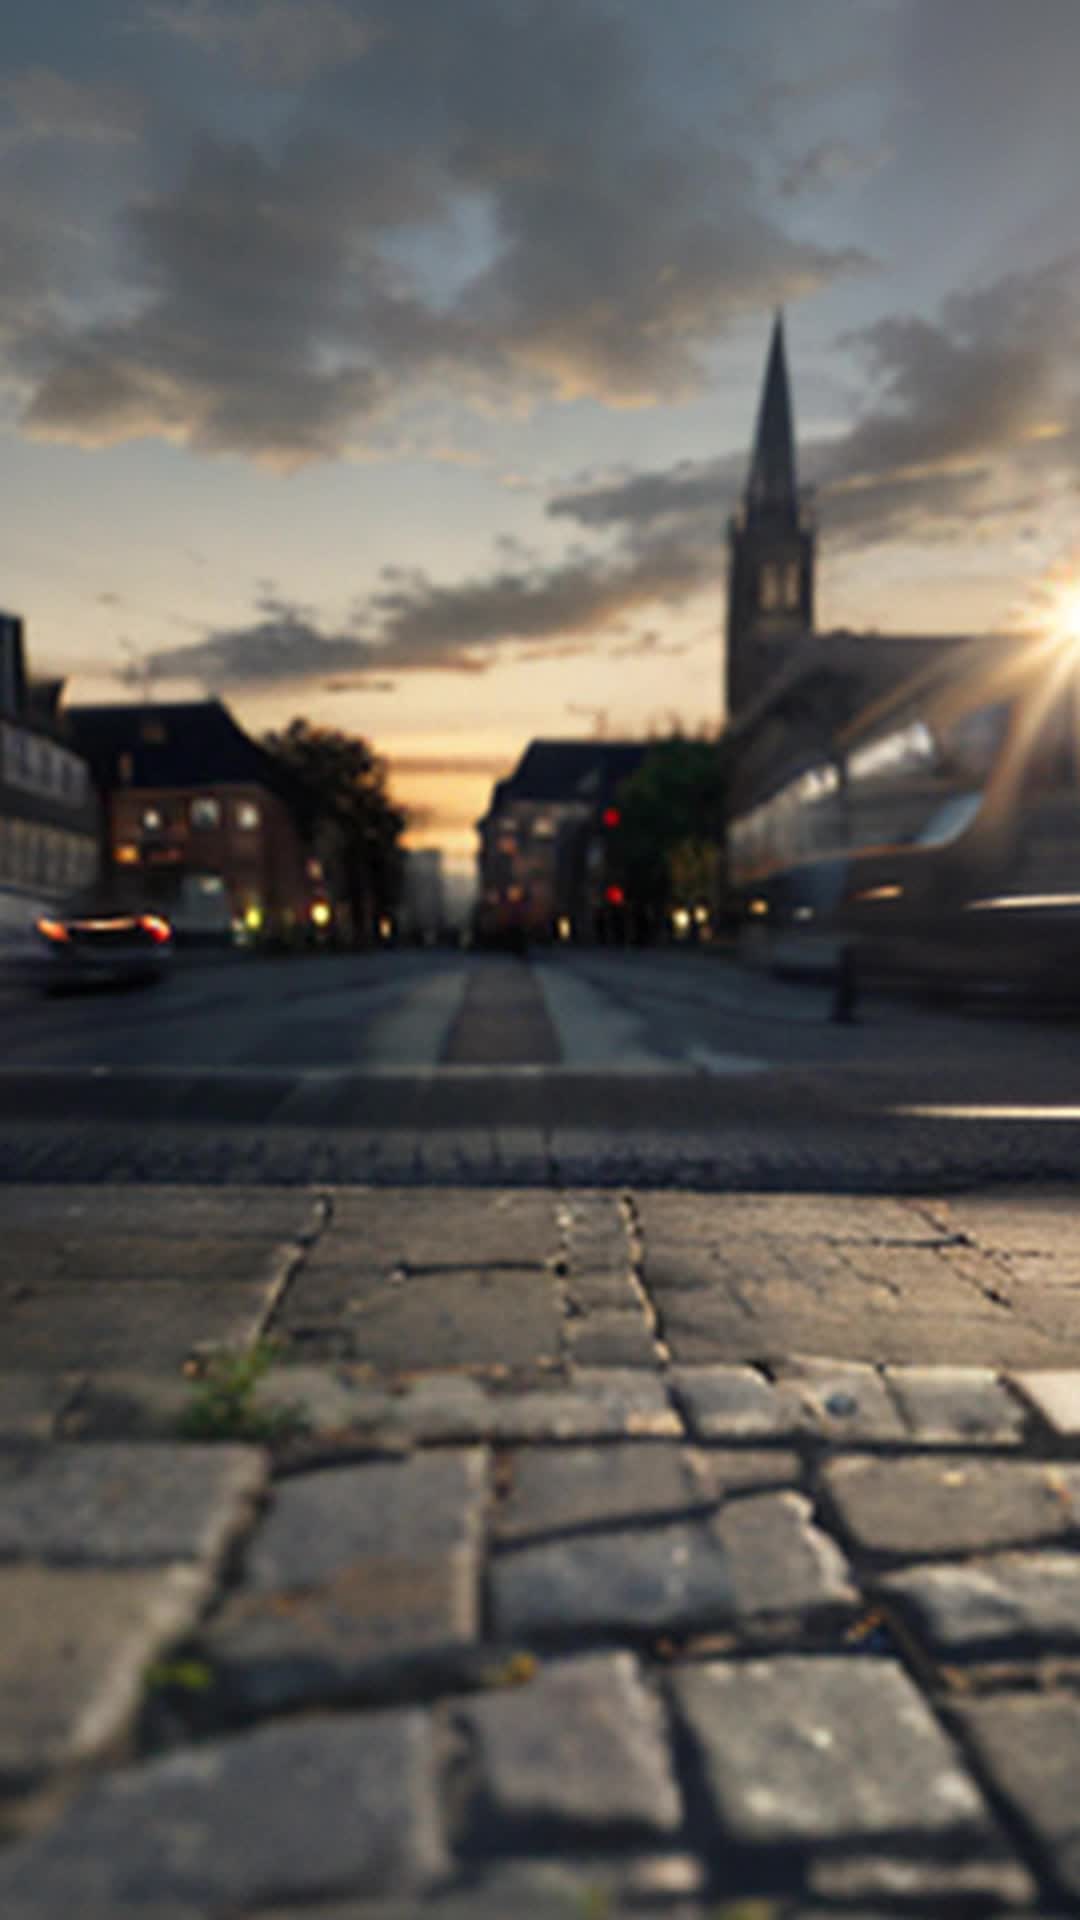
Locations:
(339, 779)
(671, 824)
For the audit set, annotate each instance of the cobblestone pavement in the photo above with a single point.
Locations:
(536, 1554)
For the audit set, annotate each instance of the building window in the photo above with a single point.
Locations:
(205, 812)
(769, 587)
(791, 586)
(248, 816)
(152, 820)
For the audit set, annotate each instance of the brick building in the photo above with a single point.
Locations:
(208, 823)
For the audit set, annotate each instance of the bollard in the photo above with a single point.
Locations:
(846, 990)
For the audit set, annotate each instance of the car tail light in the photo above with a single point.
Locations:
(54, 930)
(158, 929)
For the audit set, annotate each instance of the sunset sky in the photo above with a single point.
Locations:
(395, 361)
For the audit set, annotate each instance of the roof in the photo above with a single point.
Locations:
(874, 666)
(588, 770)
(194, 743)
(772, 482)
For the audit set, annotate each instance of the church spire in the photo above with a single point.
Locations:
(772, 482)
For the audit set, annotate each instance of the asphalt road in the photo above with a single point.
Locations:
(596, 1067)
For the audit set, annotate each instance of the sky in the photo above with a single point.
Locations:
(395, 362)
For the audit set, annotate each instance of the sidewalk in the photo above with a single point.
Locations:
(532, 1554)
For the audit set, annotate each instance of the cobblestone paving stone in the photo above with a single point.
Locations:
(774, 1636)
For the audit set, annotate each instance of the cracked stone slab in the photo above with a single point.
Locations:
(31, 1404)
(1007, 1605)
(384, 1228)
(573, 1889)
(597, 1234)
(579, 1753)
(1030, 1746)
(1055, 1396)
(164, 1212)
(988, 1884)
(402, 1322)
(782, 1565)
(733, 1471)
(389, 1626)
(44, 1257)
(706, 1218)
(321, 1523)
(127, 1505)
(592, 1292)
(612, 1337)
(117, 1326)
(799, 1750)
(846, 1401)
(558, 1489)
(299, 1810)
(917, 1508)
(73, 1654)
(660, 1579)
(956, 1406)
(439, 1408)
(735, 1403)
(126, 1406)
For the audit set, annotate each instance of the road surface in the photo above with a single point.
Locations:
(586, 1068)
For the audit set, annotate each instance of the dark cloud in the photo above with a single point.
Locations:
(270, 310)
(415, 624)
(38, 103)
(277, 42)
(965, 416)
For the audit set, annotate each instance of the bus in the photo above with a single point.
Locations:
(938, 839)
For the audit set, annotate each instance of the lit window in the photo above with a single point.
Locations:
(205, 812)
(247, 815)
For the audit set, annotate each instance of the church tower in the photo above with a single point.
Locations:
(771, 567)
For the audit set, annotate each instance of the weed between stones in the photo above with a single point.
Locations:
(224, 1403)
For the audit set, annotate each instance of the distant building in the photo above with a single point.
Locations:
(542, 860)
(211, 823)
(422, 910)
(50, 815)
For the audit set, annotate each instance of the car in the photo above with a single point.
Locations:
(102, 940)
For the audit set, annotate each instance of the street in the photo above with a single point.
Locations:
(579, 1068)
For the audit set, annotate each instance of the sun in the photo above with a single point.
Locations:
(1064, 614)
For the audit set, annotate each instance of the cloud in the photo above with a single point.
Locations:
(490, 195)
(412, 623)
(827, 163)
(39, 103)
(967, 417)
(283, 43)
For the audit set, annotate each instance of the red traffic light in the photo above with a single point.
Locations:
(615, 896)
(612, 817)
